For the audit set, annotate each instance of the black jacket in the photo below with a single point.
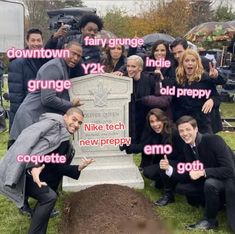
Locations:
(20, 72)
(218, 161)
(146, 95)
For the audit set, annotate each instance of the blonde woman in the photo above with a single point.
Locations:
(190, 78)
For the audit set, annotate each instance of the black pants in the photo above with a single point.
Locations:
(154, 172)
(210, 193)
(46, 198)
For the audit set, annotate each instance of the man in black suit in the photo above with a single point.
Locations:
(210, 185)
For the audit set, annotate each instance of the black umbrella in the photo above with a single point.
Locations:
(151, 38)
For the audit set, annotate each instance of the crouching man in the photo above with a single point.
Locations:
(212, 185)
(50, 136)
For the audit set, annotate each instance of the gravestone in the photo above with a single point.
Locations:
(106, 100)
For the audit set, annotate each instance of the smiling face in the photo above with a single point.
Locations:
(116, 52)
(156, 124)
(188, 133)
(90, 30)
(34, 41)
(133, 69)
(189, 65)
(74, 55)
(73, 122)
(160, 51)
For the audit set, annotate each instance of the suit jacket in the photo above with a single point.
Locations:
(43, 100)
(219, 162)
(38, 139)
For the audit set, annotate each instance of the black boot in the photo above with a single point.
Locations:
(163, 201)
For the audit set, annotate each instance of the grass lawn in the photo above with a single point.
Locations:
(175, 215)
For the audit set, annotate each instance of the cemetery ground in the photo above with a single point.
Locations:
(175, 216)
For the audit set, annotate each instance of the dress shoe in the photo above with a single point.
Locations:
(26, 210)
(203, 224)
(163, 201)
(54, 213)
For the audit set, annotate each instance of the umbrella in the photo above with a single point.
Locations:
(151, 38)
(211, 31)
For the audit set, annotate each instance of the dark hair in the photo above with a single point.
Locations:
(179, 41)
(108, 62)
(187, 119)
(70, 43)
(156, 44)
(167, 125)
(91, 18)
(31, 31)
(72, 110)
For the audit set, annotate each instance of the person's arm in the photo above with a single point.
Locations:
(49, 97)
(224, 155)
(16, 82)
(156, 100)
(73, 171)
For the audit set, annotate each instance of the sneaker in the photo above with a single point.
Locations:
(163, 201)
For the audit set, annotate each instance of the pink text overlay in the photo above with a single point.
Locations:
(52, 158)
(58, 85)
(194, 166)
(158, 149)
(199, 93)
(157, 63)
(112, 42)
(91, 127)
(106, 141)
(37, 53)
(96, 68)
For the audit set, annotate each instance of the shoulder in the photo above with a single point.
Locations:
(212, 140)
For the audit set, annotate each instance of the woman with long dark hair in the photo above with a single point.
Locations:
(114, 58)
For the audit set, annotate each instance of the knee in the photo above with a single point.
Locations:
(210, 185)
(50, 197)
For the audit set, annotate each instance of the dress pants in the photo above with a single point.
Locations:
(211, 193)
(46, 198)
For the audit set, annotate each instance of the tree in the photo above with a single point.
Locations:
(224, 13)
(117, 22)
(37, 16)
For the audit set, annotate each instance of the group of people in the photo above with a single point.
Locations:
(45, 119)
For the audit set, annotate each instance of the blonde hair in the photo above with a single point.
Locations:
(181, 76)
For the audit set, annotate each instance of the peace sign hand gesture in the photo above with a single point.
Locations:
(213, 72)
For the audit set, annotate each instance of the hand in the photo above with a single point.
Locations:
(208, 105)
(76, 102)
(35, 172)
(158, 72)
(213, 72)
(61, 32)
(118, 73)
(85, 163)
(194, 175)
(164, 163)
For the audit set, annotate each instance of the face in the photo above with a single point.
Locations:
(35, 41)
(155, 124)
(178, 52)
(188, 133)
(73, 122)
(133, 69)
(90, 30)
(189, 64)
(116, 52)
(160, 52)
(75, 55)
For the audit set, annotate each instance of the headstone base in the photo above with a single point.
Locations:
(112, 170)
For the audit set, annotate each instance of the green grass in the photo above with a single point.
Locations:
(175, 215)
